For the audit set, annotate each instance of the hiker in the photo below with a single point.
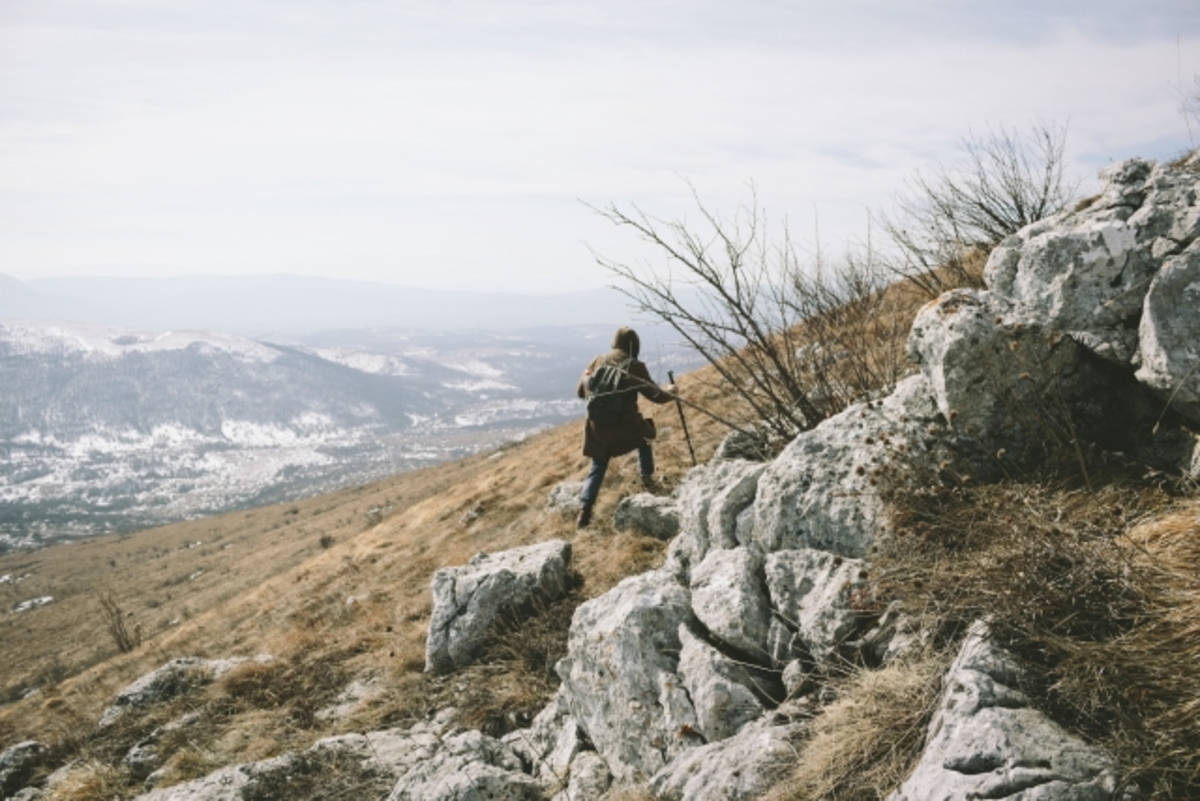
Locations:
(630, 431)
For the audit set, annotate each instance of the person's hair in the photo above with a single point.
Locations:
(626, 339)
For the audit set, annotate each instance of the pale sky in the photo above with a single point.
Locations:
(449, 144)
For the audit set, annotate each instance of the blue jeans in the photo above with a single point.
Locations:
(595, 476)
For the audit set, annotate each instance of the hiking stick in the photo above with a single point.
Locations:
(678, 405)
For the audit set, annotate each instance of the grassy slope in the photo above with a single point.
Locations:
(269, 585)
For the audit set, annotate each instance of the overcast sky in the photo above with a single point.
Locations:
(449, 144)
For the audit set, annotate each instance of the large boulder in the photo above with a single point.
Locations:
(813, 595)
(986, 741)
(648, 514)
(719, 688)
(741, 768)
(619, 676)
(1085, 272)
(1169, 333)
(824, 490)
(1009, 387)
(730, 599)
(467, 600)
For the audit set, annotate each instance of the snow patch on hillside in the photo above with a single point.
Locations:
(103, 342)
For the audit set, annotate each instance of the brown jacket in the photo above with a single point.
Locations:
(631, 429)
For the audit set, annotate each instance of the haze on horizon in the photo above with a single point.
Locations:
(448, 144)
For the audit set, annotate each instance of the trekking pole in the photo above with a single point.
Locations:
(682, 419)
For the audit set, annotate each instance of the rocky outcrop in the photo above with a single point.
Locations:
(467, 600)
(719, 688)
(813, 593)
(985, 741)
(1085, 273)
(712, 497)
(730, 599)
(176, 678)
(652, 515)
(429, 762)
(619, 677)
(590, 778)
(823, 490)
(549, 746)
(1169, 333)
(741, 768)
(17, 762)
(468, 767)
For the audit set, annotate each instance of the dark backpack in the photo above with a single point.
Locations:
(604, 400)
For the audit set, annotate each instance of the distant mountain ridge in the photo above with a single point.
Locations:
(106, 428)
(266, 305)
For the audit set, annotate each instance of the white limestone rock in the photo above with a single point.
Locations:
(564, 497)
(1084, 272)
(1008, 386)
(987, 367)
(710, 498)
(590, 778)
(467, 600)
(649, 514)
(16, 762)
(468, 767)
(741, 768)
(822, 491)
(1169, 333)
(619, 678)
(985, 741)
(719, 688)
(730, 598)
(549, 745)
(813, 591)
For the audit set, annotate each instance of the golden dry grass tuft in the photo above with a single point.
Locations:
(864, 744)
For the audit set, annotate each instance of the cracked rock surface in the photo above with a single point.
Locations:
(468, 599)
(985, 741)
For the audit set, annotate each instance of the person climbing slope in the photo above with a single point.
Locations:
(611, 385)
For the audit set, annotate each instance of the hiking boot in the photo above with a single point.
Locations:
(585, 517)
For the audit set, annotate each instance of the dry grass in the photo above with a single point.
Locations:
(92, 781)
(864, 744)
(1097, 592)
(333, 587)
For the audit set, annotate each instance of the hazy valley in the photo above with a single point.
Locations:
(109, 429)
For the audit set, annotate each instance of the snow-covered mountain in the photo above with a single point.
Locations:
(105, 428)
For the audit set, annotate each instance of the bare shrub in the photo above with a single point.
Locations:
(114, 622)
(946, 223)
(783, 334)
